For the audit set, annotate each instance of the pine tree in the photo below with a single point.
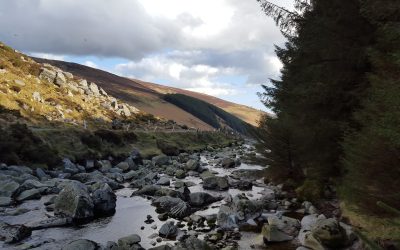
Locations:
(372, 150)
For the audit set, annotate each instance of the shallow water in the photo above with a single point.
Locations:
(130, 215)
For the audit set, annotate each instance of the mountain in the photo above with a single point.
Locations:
(149, 97)
(247, 114)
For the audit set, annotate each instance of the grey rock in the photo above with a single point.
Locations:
(124, 166)
(94, 89)
(81, 244)
(5, 201)
(30, 194)
(13, 233)
(169, 230)
(36, 96)
(48, 75)
(200, 199)
(69, 167)
(74, 201)
(129, 241)
(104, 200)
(19, 82)
(164, 181)
(271, 233)
(9, 188)
(192, 243)
(41, 174)
(180, 174)
(228, 163)
(192, 165)
(60, 79)
(216, 183)
(160, 160)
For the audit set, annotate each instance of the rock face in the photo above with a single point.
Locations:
(81, 245)
(216, 183)
(13, 233)
(48, 75)
(104, 200)
(74, 201)
(168, 230)
(330, 233)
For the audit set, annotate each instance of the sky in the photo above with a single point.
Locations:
(224, 48)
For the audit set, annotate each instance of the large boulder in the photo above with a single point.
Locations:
(167, 148)
(13, 233)
(60, 79)
(74, 201)
(70, 167)
(216, 183)
(81, 245)
(124, 166)
(200, 199)
(104, 200)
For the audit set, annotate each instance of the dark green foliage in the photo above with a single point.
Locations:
(92, 141)
(372, 150)
(116, 137)
(208, 113)
(337, 103)
(321, 85)
(167, 148)
(19, 146)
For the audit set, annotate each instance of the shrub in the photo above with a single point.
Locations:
(91, 141)
(109, 136)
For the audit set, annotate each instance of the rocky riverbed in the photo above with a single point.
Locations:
(206, 200)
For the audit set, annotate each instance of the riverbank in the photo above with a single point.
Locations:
(203, 200)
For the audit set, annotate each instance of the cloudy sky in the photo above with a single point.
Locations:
(223, 48)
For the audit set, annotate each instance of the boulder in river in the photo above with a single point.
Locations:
(30, 194)
(169, 230)
(216, 183)
(192, 165)
(228, 163)
(175, 207)
(130, 242)
(74, 201)
(104, 200)
(200, 199)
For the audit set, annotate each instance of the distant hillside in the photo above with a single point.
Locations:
(247, 114)
(149, 97)
(216, 117)
(132, 92)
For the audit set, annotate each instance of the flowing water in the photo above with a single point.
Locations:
(131, 212)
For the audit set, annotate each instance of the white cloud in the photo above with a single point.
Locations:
(48, 56)
(91, 64)
(192, 44)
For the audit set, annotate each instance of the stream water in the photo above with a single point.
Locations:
(131, 212)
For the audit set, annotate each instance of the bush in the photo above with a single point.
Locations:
(18, 145)
(91, 141)
(109, 136)
(311, 190)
